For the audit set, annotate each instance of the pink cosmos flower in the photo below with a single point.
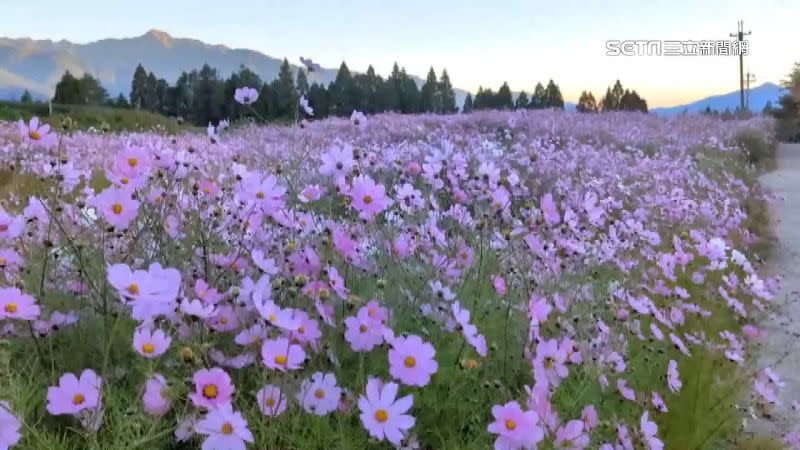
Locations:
(305, 262)
(307, 332)
(281, 354)
(267, 265)
(286, 319)
(368, 197)
(206, 293)
(265, 192)
(501, 199)
(252, 335)
(792, 439)
(198, 309)
(150, 344)
(499, 284)
(658, 402)
(11, 226)
(751, 332)
(151, 293)
(271, 401)
(155, 403)
(362, 333)
(538, 309)
(319, 395)
(14, 304)
(130, 167)
(358, 118)
(337, 161)
(549, 210)
(624, 390)
(245, 95)
(212, 388)
(36, 133)
(571, 436)
(209, 188)
(311, 193)
(239, 361)
(116, 206)
(73, 394)
(383, 414)
(411, 360)
(516, 429)
(337, 282)
(552, 361)
(589, 417)
(375, 312)
(649, 433)
(9, 427)
(673, 378)
(226, 429)
(470, 331)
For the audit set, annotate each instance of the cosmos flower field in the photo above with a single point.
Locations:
(509, 280)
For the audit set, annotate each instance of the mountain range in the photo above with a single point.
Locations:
(758, 98)
(37, 65)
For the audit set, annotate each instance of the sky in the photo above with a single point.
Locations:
(480, 42)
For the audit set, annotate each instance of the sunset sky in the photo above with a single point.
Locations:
(480, 43)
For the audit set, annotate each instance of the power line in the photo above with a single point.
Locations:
(740, 34)
(750, 78)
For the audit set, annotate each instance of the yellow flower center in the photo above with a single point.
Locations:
(362, 328)
(35, 135)
(3, 261)
(148, 348)
(410, 362)
(511, 425)
(367, 199)
(272, 318)
(319, 393)
(381, 415)
(78, 399)
(124, 181)
(301, 330)
(133, 289)
(227, 428)
(210, 391)
(133, 162)
(549, 363)
(223, 320)
(281, 359)
(116, 208)
(270, 402)
(11, 308)
(260, 195)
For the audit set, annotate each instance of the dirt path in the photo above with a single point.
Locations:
(783, 328)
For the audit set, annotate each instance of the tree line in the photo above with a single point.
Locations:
(204, 95)
(543, 97)
(616, 99)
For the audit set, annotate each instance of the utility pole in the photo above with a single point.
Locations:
(751, 78)
(740, 34)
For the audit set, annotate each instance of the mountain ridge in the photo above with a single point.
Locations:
(40, 63)
(759, 96)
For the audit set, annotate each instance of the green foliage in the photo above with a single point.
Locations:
(619, 99)
(79, 91)
(467, 107)
(586, 103)
(757, 148)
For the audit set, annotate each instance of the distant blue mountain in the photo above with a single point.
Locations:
(759, 96)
